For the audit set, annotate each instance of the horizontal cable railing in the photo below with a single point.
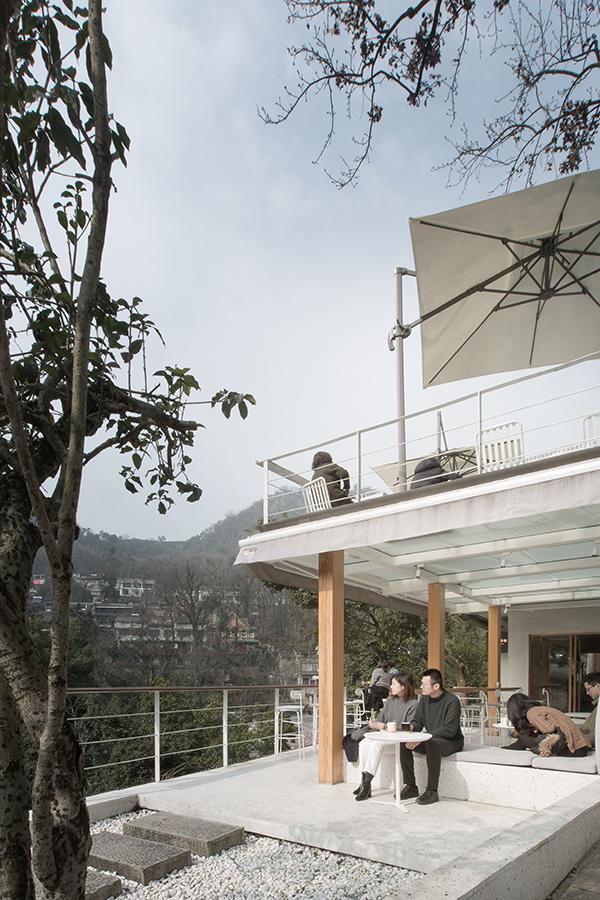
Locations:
(528, 419)
(223, 724)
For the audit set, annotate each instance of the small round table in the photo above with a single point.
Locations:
(397, 738)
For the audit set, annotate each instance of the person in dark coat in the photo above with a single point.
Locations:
(429, 471)
(336, 478)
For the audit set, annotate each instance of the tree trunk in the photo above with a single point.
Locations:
(15, 860)
(62, 839)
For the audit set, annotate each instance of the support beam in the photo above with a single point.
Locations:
(494, 623)
(331, 666)
(436, 627)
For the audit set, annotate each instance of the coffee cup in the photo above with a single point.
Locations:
(391, 726)
(405, 726)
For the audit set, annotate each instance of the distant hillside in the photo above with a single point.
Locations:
(95, 553)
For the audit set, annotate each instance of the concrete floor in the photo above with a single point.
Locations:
(281, 798)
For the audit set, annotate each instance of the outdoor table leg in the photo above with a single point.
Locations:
(399, 803)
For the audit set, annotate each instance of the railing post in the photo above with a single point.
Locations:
(479, 430)
(266, 492)
(225, 728)
(276, 731)
(358, 466)
(157, 736)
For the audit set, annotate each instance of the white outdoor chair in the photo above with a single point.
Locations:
(291, 714)
(591, 430)
(500, 448)
(354, 711)
(316, 496)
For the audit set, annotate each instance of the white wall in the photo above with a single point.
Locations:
(522, 623)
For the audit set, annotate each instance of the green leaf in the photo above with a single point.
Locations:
(137, 460)
(27, 125)
(64, 140)
(87, 96)
(106, 51)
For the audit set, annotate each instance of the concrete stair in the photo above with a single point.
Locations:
(202, 837)
(139, 860)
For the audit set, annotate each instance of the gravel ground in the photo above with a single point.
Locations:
(267, 868)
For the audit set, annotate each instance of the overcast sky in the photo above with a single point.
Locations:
(260, 274)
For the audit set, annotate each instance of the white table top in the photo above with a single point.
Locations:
(398, 737)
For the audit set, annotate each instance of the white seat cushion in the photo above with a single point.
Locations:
(495, 756)
(585, 765)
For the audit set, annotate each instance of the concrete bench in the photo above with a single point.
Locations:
(499, 777)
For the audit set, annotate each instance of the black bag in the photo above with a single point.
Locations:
(351, 742)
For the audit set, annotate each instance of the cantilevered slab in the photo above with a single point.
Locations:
(201, 836)
(139, 860)
(531, 534)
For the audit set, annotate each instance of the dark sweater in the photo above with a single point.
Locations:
(440, 716)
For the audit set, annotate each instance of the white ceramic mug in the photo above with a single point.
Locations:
(391, 726)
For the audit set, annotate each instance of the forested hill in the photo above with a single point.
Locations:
(94, 552)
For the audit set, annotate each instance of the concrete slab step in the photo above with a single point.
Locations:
(134, 858)
(98, 886)
(201, 836)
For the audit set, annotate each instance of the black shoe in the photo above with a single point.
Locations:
(409, 791)
(364, 792)
(428, 797)
(355, 792)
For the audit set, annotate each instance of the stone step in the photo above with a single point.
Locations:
(98, 886)
(202, 837)
(134, 858)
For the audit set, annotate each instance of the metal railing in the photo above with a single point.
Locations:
(157, 732)
(553, 410)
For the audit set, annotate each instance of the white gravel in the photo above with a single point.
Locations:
(267, 868)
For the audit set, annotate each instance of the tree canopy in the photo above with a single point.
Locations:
(364, 53)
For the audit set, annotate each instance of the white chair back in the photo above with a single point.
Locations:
(316, 496)
(591, 430)
(500, 448)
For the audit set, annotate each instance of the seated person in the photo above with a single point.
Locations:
(438, 713)
(591, 683)
(429, 471)
(400, 707)
(336, 478)
(543, 730)
(379, 687)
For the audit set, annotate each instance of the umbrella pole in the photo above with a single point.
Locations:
(400, 409)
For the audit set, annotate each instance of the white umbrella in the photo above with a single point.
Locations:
(510, 283)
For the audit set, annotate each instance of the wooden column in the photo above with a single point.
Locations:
(436, 627)
(494, 621)
(331, 666)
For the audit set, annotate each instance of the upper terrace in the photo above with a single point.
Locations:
(496, 531)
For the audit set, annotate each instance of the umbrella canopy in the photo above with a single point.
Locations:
(510, 283)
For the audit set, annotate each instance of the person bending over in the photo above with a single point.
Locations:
(543, 730)
(591, 683)
(438, 712)
(400, 708)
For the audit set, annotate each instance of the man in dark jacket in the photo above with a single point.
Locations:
(438, 712)
(336, 478)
